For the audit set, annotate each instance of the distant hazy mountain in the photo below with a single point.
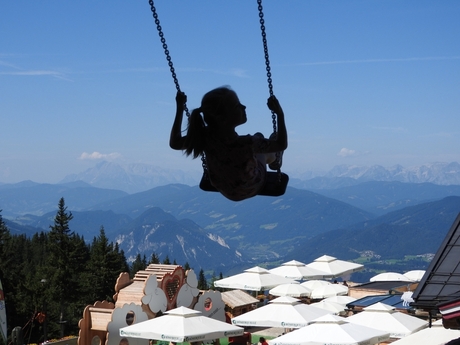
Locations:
(349, 175)
(188, 224)
(413, 230)
(253, 225)
(131, 178)
(380, 197)
(28, 197)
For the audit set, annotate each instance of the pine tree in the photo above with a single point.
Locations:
(202, 282)
(166, 260)
(154, 259)
(60, 271)
(138, 264)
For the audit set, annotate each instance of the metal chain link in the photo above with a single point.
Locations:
(267, 59)
(269, 77)
(173, 72)
(165, 48)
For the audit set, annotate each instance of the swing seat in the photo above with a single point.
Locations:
(275, 184)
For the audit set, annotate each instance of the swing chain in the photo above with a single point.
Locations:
(166, 51)
(267, 59)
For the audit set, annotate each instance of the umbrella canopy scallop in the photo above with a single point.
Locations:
(179, 325)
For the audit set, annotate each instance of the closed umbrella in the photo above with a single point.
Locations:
(286, 312)
(332, 330)
(254, 279)
(386, 318)
(292, 290)
(334, 267)
(179, 325)
(297, 270)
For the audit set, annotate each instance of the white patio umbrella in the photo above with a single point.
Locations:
(385, 317)
(415, 275)
(329, 291)
(254, 279)
(332, 330)
(389, 276)
(436, 335)
(286, 312)
(297, 270)
(332, 307)
(313, 284)
(292, 290)
(334, 267)
(343, 300)
(179, 325)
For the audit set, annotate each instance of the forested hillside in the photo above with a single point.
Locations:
(57, 274)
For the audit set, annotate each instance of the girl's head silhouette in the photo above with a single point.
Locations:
(221, 107)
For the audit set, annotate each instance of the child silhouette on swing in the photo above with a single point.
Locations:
(236, 164)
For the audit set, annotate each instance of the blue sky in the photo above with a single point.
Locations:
(361, 82)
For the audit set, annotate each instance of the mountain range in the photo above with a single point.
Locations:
(133, 178)
(373, 220)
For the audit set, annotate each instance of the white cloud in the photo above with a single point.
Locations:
(97, 155)
(344, 152)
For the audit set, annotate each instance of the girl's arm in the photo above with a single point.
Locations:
(281, 139)
(176, 140)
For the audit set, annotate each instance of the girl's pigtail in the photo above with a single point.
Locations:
(195, 139)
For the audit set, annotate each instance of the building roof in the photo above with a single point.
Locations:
(390, 299)
(441, 282)
(237, 298)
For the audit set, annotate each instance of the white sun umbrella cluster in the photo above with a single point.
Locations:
(254, 279)
(332, 330)
(333, 267)
(297, 270)
(179, 325)
(385, 317)
(286, 312)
